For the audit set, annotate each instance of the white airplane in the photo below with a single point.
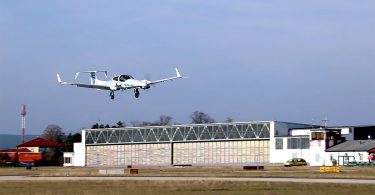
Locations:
(121, 82)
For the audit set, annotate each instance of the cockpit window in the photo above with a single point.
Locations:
(122, 78)
(125, 77)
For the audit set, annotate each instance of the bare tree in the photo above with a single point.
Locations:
(54, 133)
(228, 120)
(201, 118)
(164, 120)
(121, 124)
(70, 140)
(145, 124)
(135, 123)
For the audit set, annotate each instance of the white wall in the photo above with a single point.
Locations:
(79, 154)
(79, 158)
(348, 133)
(300, 132)
(282, 155)
(359, 156)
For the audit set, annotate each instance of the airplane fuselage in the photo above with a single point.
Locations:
(118, 85)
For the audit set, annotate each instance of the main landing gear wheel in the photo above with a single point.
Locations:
(112, 94)
(136, 93)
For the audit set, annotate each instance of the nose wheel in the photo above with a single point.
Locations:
(136, 93)
(112, 94)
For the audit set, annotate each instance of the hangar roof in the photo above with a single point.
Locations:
(353, 145)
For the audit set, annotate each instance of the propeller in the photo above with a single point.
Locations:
(147, 80)
(148, 76)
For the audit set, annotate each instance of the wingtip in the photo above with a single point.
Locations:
(58, 78)
(178, 73)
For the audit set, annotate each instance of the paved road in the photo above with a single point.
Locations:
(305, 180)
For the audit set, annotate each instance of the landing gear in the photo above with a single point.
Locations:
(112, 94)
(136, 93)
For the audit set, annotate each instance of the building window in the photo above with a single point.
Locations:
(317, 136)
(360, 156)
(279, 144)
(298, 143)
(317, 157)
(67, 160)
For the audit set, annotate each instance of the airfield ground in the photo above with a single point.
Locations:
(101, 186)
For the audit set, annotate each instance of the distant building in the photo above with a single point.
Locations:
(49, 150)
(353, 150)
(39, 145)
(11, 156)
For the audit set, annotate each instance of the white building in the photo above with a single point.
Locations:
(76, 158)
(353, 150)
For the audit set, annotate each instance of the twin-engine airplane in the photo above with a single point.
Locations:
(121, 82)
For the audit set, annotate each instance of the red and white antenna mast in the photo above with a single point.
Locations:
(23, 122)
(325, 121)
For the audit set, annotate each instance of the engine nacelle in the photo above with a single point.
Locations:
(147, 82)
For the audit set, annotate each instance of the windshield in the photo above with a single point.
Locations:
(125, 77)
(122, 78)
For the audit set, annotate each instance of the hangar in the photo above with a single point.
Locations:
(239, 143)
(194, 144)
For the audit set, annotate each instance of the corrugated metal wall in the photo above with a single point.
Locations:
(122, 155)
(188, 153)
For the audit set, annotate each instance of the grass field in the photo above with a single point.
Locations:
(230, 171)
(179, 187)
(188, 187)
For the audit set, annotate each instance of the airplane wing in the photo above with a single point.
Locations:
(178, 76)
(102, 87)
(92, 86)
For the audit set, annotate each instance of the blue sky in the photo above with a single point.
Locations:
(296, 61)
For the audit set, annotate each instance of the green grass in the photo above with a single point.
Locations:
(179, 187)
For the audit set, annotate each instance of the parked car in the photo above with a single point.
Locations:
(295, 162)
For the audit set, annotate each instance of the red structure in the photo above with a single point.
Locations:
(39, 143)
(16, 156)
(50, 151)
(36, 151)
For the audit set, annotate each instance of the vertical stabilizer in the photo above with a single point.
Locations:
(93, 78)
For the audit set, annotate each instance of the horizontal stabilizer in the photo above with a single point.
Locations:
(92, 72)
